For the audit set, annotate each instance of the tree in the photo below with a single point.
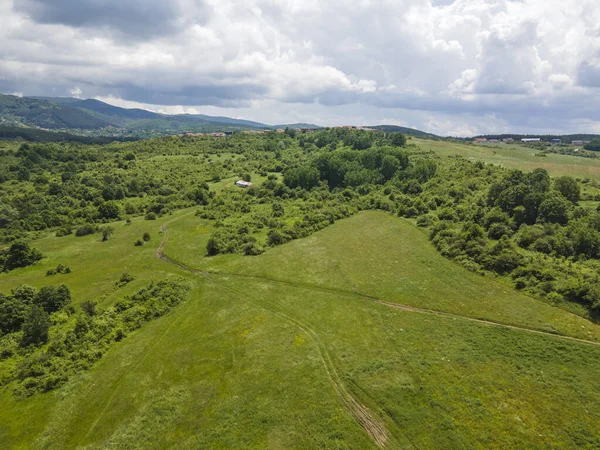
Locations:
(569, 188)
(555, 209)
(21, 255)
(108, 210)
(89, 307)
(8, 215)
(107, 233)
(24, 294)
(389, 166)
(53, 298)
(12, 314)
(278, 210)
(36, 326)
(594, 145)
(199, 196)
(146, 237)
(424, 170)
(397, 139)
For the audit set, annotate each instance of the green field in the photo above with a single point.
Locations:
(514, 156)
(297, 349)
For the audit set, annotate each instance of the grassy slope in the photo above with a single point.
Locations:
(239, 364)
(517, 157)
(380, 255)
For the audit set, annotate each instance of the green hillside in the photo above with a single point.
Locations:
(259, 356)
(45, 114)
(364, 292)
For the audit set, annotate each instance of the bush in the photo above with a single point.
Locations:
(275, 238)
(125, 278)
(86, 230)
(107, 233)
(59, 269)
(53, 298)
(35, 327)
(150, 216)
(64, 231)
(89, 308)
(146, 237)
(138, 243)
(20, 254)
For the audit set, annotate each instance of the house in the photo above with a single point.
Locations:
(556, 141)
(494, 141)
(508, 140)
(531, 140)
(243, 184)
(218, 134)
(478, 140)
(577, 142)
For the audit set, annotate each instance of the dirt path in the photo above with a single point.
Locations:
(338, 291)
(374, 427)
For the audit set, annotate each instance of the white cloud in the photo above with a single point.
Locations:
(515, 63)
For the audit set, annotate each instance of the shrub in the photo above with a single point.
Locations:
(53, 298)
(20, 254)
(35, 327)
(150, 216)
(125, 278)
(64, 231)
(146, 237)
(86, 230)
(107, 233)
(89, 307)
(138, 243)
(275, 238)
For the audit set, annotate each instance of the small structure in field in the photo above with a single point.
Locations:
(577, 142)
(531, 140)
(555, 141)
(243, 184)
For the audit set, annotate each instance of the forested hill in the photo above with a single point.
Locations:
(404, 130)
(93, 115)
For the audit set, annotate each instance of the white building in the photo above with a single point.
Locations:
(243, 184)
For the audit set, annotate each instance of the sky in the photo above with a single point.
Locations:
(459, 68)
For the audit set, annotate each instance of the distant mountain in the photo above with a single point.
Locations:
(404, 130)
(46, 114)
(60, 113)
(297, 125)
(114, 111)
(230, 121)
(37, 135)
(97, 118)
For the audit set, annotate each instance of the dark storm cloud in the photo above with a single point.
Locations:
(190, 95)
(143, 18)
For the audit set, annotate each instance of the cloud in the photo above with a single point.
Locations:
(448, 64)
(145, 18)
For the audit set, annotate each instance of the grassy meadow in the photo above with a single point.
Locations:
(290, 348)
(514, 156)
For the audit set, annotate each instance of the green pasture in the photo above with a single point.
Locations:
(266, 351)
(514, 156)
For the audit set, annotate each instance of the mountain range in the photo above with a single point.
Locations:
(96, 118)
